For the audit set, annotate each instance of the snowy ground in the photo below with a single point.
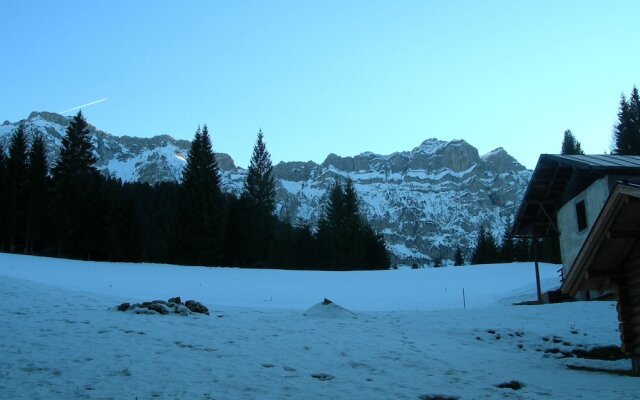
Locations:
(410, 338)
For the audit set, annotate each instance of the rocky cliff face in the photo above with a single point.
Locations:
(150, 160)
(425, 201)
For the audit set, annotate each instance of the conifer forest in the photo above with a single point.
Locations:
(72, 211)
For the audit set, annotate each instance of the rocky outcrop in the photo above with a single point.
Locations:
(500, 161)
(172, 306)
(425, 201)
(294, 171)
(151, 160)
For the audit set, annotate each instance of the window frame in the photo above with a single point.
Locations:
(581, 215)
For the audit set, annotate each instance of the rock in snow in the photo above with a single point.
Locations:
(172, 306)
(328, 309)
(196, 307)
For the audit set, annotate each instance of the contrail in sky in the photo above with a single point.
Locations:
(84, 105)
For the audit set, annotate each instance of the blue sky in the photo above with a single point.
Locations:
(328, 76)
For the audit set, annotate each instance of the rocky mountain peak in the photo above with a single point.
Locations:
(48, 117)
(348, 164)
(425, 201)
(294, 170)
(430, 146)
(501, 161)
(434, 154)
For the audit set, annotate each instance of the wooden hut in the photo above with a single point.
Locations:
(593, 203)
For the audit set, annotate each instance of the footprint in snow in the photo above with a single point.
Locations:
(514, 385)
(322, 376)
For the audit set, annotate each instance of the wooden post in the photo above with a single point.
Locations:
(535, 260)
(464, 299)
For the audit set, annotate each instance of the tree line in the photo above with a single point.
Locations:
(488, 250)
(625, 141)
(73, 211)
(626, 131)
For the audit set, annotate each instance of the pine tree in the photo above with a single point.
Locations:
(521, 252)
(259, 187)
(330, 225)
(17, 191)
(198, 227)
(345, 240)
(307, 249)
(238, 232)
(335, 210)
(201, 174)
(157, 208)
(626, 132)
(352, 232)
(634, 121)
(507, 248)
(376, 255)
(122, 224)
(458, 259)
(550, 250)
(259, 193)
(570, 146)
(38, 189)
(486, 251)
(76, 153)
(77, 208)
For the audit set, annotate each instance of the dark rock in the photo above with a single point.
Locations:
(142, 310)
(322, 376)
(181, 309)
(326, 301)
(515, 385)
(608, 353)
(157, 307)
(173, 306)
(196, 307)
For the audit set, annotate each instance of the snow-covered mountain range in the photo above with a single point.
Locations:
(425, 201)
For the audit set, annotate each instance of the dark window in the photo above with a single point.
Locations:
(581, 215)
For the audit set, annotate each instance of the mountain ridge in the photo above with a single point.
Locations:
(425, 201)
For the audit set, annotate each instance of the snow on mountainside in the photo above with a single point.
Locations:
(425, 201)
(152, 160)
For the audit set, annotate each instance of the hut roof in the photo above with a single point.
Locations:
(558, 178)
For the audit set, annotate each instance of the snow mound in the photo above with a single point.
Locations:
(329, 309)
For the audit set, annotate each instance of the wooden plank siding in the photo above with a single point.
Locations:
(612, 247)
(609, 254)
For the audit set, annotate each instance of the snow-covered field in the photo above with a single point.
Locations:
(411, 338)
